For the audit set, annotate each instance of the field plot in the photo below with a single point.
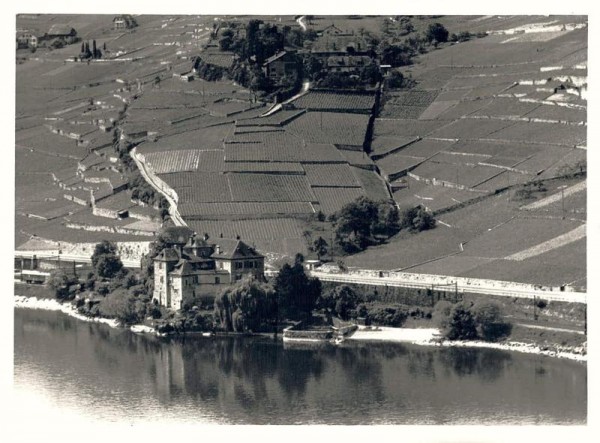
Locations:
(558, 113)
(434, 198)
(463, 108)
(453, 265)
(438, 107)
(381, 146)
(408, 112)
(169, 115)
(398, 164)
(178, 161)
(33, 161)
(269, 188)
(319, 100)
(405, 128)
(249, 229)
(427, 147)
(333, 199)
(471, 129)
(516, 235)
(502, 107)
(570, 161)
(482, 92)
(247, 209)
(373, 185)
(204, 138)
(564, 265)
(555, 134)
(462, 174)
(278, 118)
(225, 108)
(258, 152)
(199, 186)
(407, 250)
(487, 149)
(46, 142)
(331, 127)
(264, 167)
(157, 99)
(330, 175)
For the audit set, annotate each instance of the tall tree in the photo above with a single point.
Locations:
(296, 292)
(320, 247)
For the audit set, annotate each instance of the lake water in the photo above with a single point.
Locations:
(114, 375)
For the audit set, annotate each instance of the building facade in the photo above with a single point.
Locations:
(198, 267)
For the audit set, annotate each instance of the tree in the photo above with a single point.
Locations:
(59, 281)
(340, 299)
(461, 323)
(123, 306)
(249, 306)
(105, 260)
(296, 292)
(489, 320)
(320, 247)
(416, 219)
(436, 32)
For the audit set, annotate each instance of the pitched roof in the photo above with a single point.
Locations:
(167, 254)
(275, 57)
(59, 29)
(183, 267)
(232, 249)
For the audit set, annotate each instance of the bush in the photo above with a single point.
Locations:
(489, 323)
(123, 306)
(465, 321)
(461, 323)
(394, 317)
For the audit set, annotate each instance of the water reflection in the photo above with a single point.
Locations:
(242, 380)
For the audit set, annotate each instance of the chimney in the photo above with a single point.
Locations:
(218, 249)
(205, 236)
(237, 237)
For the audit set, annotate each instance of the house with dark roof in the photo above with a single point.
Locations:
(190, 266)
(281, 64)
(124, 21)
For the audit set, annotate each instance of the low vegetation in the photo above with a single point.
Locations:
(470, 321)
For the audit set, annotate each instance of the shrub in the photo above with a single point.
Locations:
(461, 323)
(394, 317)
(489, 323)
(123, 306)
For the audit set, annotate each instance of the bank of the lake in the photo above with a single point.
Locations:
(66, 366)
(417, 336)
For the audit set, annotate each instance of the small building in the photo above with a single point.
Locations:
(63, 31)
(196, 266)
(27, 39)
(124, 21)
(281, 64)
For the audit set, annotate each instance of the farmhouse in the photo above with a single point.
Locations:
(26, 39)
(124, 22)
(190, 266)
(62, 31)
(281, 64)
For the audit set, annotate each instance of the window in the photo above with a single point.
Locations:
(217, 281)
(162, 279)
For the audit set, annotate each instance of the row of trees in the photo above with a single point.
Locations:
(94, 53)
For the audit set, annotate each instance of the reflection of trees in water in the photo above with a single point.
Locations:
(487, 364)
(420, 363)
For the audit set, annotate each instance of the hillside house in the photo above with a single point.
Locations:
(281, 64)
(192, 266)
(61, 31)
(125, 21)
(27, 39)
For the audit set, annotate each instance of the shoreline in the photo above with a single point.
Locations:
(421, 337)
(430, 337)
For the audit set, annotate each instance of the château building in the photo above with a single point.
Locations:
(197, 267)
